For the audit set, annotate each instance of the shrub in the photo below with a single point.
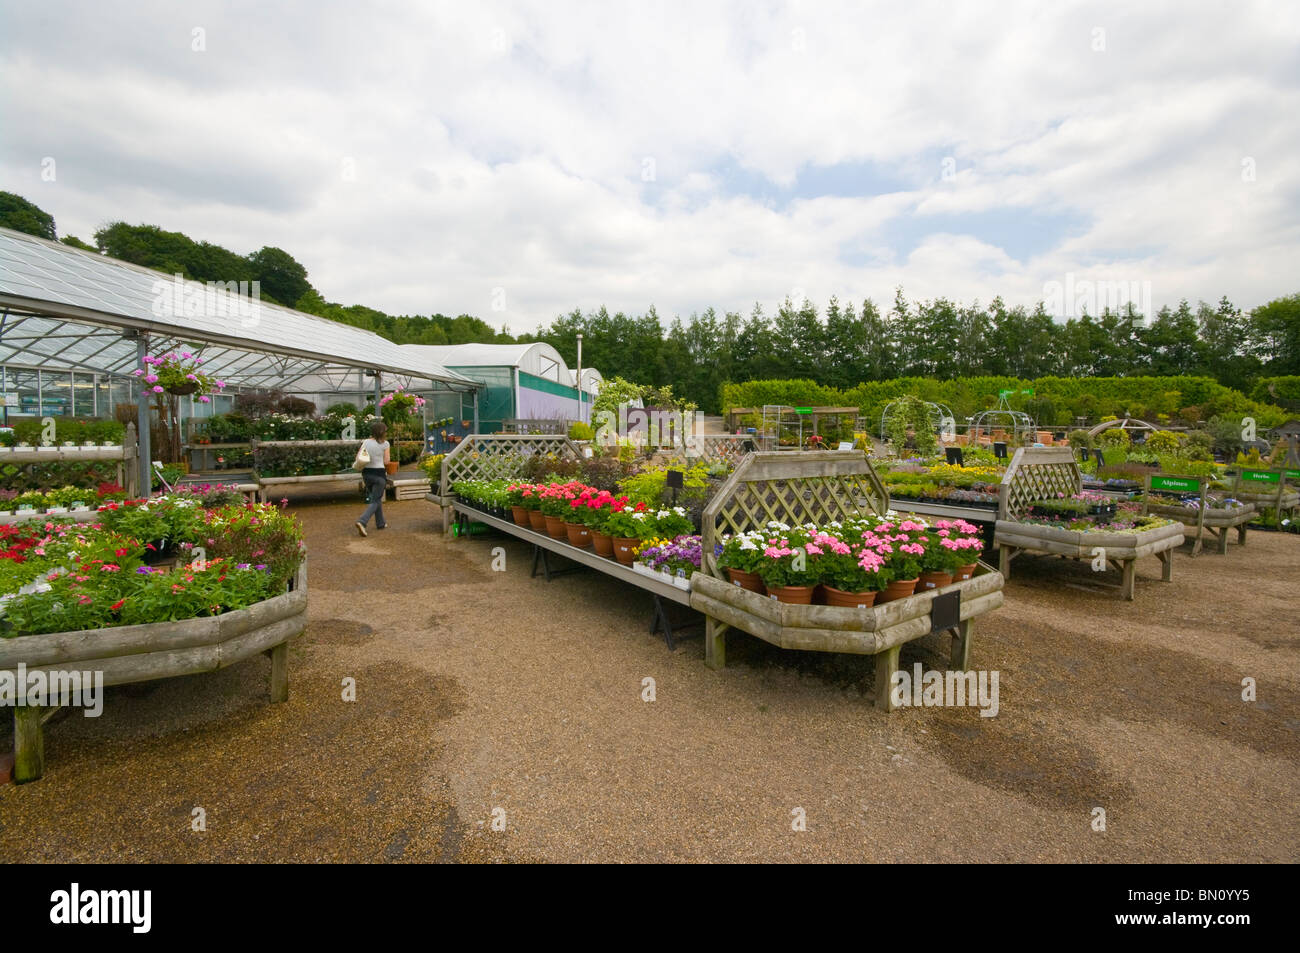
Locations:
(296, 406)
(431, 464)
(1114, 437)
(1163, 441)
(1080, 438)
(580, 431)
(342, 410)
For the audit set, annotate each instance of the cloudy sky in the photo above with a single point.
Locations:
(515, 161)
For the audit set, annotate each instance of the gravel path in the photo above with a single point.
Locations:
(487, 695)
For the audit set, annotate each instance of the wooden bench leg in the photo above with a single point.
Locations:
(1241, 535)
(886, 666)
(1223, 541)
(959, 657)
(1130, 578)
(1167, 567)
(29, 744)
(715, 643)
(1004, 561)
(280, 673)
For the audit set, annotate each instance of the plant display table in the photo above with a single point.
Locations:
(820, 487)
(543, 543)
(1199, 513)
(139, 653)
(1046, 473)
(123, 457)
(494, 457)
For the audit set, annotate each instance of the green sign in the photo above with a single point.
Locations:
(803, 410)
(1292, 474)
(1260, 476)
(1029, 391)
(1178, 484)
(1005, 393)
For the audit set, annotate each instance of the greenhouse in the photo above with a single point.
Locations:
(75, 326)
(523, 382)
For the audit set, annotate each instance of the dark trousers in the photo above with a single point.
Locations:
(376, 481)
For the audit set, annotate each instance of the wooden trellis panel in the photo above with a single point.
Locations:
(500, 456)
(817, 486)
(724, 448)
(1037, 473)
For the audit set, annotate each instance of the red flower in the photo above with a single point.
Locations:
(117, 605)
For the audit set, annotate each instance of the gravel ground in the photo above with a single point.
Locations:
(485, 695)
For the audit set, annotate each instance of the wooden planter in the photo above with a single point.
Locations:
(1218, 521)
(141, 653)
(879, 630)
(820, 486)
(1122, 550)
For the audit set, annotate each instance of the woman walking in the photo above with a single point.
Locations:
(375, 477)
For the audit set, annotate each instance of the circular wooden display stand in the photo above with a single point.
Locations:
(141, 653)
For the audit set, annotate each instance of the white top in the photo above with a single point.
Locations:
(376, 450)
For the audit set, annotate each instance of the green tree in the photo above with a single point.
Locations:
(22, 216)
(281, 276)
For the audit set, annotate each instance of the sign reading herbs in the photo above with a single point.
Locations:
(1260, 476)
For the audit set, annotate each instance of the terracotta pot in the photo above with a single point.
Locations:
(578, 535)
(519, 515)
(898, 589)
(853, 600)
(537, 521)
(795, 595)
(964, 572)
(603, 544)
(625, 549)
(934, 580)
(555, 527)
(746, 580)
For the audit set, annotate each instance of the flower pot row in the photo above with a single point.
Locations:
(822, 594)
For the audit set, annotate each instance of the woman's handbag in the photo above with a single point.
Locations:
(363, 459)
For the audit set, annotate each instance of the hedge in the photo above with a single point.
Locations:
(1190, 398)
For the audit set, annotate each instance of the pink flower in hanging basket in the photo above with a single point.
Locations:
(157, 389)
(205, 399)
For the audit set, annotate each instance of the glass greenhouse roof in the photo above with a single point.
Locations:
(71, 309)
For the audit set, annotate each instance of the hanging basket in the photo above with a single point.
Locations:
(183, 390)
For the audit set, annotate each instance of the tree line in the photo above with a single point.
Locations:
(839, 347)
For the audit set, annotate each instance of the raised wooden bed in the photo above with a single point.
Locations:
(820, 486)
(140, 653)
(1040, 473)
(124, 457)
(494, 457)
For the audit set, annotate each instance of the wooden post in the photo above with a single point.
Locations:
(1241, 534)
(1130, 578)
(959, 658)
(1167, 559)
(280, 673)
(886, 666)
(715, 643)
(29, 744)
(1004, 561)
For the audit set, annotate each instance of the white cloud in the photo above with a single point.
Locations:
(500, 145)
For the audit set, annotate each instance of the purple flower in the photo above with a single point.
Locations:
(151, 378)
(157, 389)
(144, 570)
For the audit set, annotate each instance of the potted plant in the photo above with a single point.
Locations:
(789, 569)
(555, 507)
(30, 501)
(852, 572)
(904, 550)
(628, 524)
(741, 556)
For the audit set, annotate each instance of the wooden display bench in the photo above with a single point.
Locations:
(141, 653)
(1267, 488)
(1205, 522)
(1043, 473)
(123, 457)
(544, 543)
(821, 486)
